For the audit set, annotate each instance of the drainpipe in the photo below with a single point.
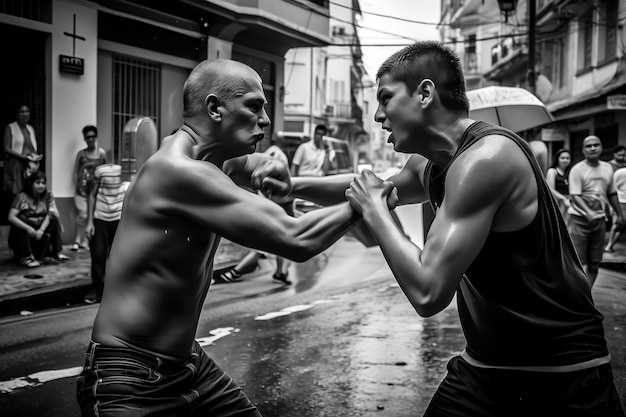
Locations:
(311, 97)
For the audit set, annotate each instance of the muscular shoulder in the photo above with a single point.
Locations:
(489, 171)
(172, 169)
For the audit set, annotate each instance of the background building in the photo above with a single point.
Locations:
(105, 62)
(579, 61)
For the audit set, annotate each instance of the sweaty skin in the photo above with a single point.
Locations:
(184, 198)
(488, 188)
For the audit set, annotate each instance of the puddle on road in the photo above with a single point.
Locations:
(333, 360)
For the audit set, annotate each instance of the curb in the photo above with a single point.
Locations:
(54, 296)
(60, 295)
(614, 266)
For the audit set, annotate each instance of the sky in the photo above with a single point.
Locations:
(406, 32)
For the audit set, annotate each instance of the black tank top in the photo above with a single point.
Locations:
(525, 300)
(560, 183)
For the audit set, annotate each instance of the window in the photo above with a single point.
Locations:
(294, 126)
(587, 36)
(136, 92)
(471, 62)
(552, 56)
(607, 30)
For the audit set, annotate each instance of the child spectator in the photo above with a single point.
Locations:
(103, 215)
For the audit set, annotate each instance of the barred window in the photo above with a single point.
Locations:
(136, 92)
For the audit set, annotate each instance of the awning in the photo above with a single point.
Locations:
(580, 104)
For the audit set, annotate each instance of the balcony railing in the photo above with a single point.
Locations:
(339, 109)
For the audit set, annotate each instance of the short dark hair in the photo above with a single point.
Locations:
(619, 148)
(90, 128)
(321, 127)
(432, 60)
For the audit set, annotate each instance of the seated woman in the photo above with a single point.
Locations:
(34, 233)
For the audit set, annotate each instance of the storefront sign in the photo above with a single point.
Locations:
(553, 135)
(71, 64)
(616, 102)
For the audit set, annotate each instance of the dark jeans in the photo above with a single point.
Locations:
(99, 247)
(126, 382)
(24, 246)
(469, 391)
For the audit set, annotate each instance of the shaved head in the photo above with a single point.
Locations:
(591, 138)
(222, 77)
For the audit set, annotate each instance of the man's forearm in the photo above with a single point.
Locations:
(318, 229)
(322, 190)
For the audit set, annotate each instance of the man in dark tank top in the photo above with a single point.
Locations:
(535, 341)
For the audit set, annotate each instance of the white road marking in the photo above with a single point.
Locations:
(42, 377)
(216, 334)
(38, 378)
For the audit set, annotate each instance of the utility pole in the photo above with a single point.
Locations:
(532, 20)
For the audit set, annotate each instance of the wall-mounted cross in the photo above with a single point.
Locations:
(74, 36)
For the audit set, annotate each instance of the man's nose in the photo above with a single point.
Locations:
(379, 116)
(264, 120)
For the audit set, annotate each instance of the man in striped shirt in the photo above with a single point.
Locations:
(103, 216)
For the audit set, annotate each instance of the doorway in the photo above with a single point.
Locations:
(23, 83)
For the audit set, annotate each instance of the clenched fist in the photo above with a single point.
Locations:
(368, 191)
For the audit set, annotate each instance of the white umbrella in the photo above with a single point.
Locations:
(514, 108)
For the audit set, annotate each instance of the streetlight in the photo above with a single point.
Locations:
(507, 7)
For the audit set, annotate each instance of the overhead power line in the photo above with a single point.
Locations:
(401, 19)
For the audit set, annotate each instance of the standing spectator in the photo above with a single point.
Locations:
(250, 262)
(591, 188)
(619, 157)
(86, 162)
(618, 161)
(619, 178)
(33, 232)
(312, 158)
(20, 147)
(104, 210)
(557, 180)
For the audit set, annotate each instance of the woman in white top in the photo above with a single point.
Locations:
(20, 147)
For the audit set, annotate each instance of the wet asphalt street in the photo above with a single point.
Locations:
(343, 341)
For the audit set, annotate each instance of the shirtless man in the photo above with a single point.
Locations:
(535, 341)
(142, 358)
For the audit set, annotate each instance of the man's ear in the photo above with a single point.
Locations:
(426, 89)
(212, 106)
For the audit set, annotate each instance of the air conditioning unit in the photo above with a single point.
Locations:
(329, 110)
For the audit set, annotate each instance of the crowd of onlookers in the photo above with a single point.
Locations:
(591, 196)
(35, 233)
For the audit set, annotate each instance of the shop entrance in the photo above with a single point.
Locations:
(23, 82)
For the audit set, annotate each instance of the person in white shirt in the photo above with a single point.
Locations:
(312, 158)
(619, 178)
(591, 188)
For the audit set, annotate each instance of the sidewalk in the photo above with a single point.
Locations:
(65, 283)
(23, 290)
